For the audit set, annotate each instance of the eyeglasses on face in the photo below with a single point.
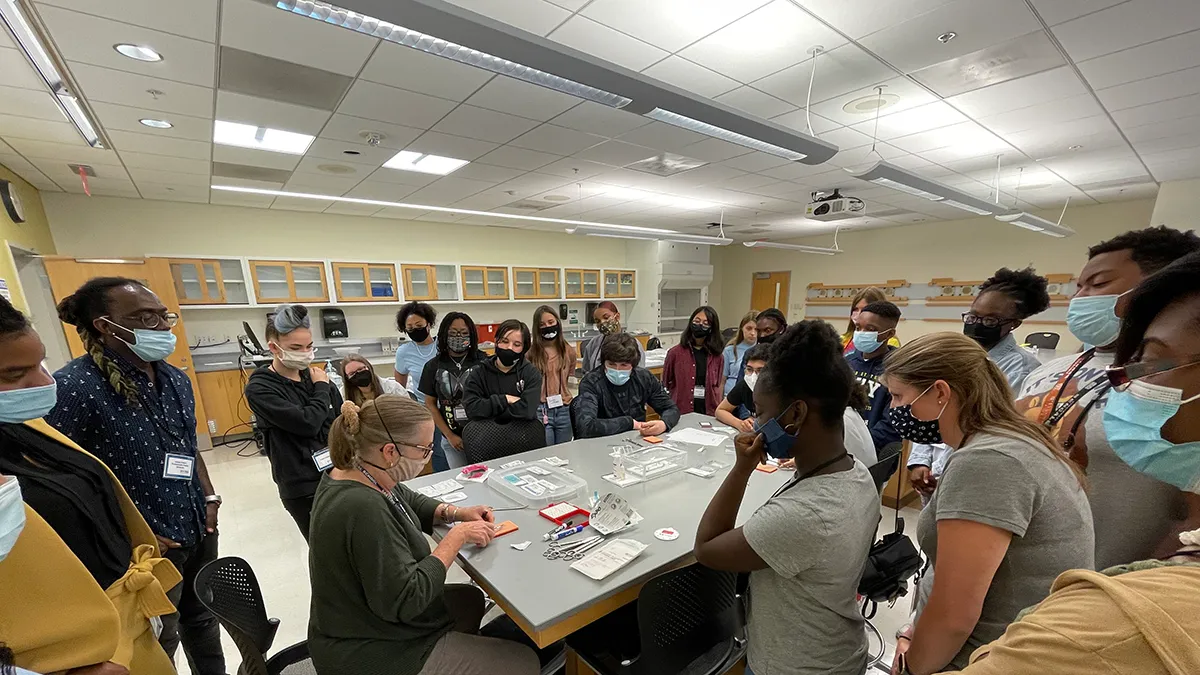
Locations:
(987, 321)
(425, 449)
(153, 320)
(1121, 376)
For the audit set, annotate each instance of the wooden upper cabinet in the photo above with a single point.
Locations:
(620, 283)
(484, 283)
(208, 281)
(365, 282)
(582, 284)
(277, 281)
(429, 282)
(535, 283)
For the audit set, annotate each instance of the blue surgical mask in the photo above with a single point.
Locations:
(777, 441)
(1093, 319)
(1133, 421)
(867, 341)
(148, 345)
(22, 405)
(12, 515)
(617, 376)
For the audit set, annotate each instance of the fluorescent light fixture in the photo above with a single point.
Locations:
(1033, 223)
(890, 175)
(260, 138)
(156, 124)
(665, 235)
(707, 129)
(407, 160)
(31, 45)
(792, 247)
(427, 43)
(139, 52)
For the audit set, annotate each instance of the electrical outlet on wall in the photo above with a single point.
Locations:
(212, 426)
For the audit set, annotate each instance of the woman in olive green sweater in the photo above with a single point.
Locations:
(377, 589)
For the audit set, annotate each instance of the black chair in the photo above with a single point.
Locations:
(1042, 340)
(883, 469)
(485, 440)
(228, 588)
(688, 621)
(728, 333)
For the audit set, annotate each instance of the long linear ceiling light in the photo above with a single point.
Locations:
(1036, 224)
(889, 175)
(792, 247)
(669, 236)
(476, 40)
(27, 39)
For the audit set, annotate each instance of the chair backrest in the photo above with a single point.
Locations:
(1043, 340)
(653, 343)
(683, 614)
(228, 588)
(293, 660)
(485, 440)
(728, 333)
(572, 408)
(882, 470)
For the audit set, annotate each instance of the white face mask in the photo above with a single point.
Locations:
(12, 515)
(296, 360)
(751, 380)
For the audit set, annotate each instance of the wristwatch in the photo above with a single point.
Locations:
(213, 499)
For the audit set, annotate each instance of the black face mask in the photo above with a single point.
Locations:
(767, 339)
(549, 332)
(361, 378)
(507, 357)
(419, 334)
(700, 331)
(985, 336)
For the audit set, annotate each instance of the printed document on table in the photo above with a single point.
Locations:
(609, 558)
(697, 437)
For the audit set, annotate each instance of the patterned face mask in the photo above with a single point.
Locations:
(609, 326)
(915, 430)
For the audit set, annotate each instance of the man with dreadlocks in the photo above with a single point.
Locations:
(137, 414)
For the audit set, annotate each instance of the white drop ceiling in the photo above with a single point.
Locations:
(1088, 100)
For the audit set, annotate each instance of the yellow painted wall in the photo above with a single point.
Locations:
(33, 234)
(968, 249)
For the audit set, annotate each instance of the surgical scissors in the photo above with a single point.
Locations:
(557, 549)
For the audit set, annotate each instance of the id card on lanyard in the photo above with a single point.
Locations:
(1051, 412)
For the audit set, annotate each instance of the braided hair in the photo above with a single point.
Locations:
(81, 309)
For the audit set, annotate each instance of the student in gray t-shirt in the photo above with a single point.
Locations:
(805, 549)
(1009, 514)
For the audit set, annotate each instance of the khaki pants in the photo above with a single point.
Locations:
(462, 654)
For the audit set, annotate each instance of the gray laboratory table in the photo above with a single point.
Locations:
(547, 598)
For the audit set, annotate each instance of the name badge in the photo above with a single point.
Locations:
(697, 392)
(553, 402)
(179, 467)
(321, 460)
(460, 415)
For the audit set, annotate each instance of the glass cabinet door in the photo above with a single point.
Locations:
(383, 284)
(497, 284)
(548, 284)
(309, 282)
(591, 284)
(189, 284)
(610, 285)
(352, 283)
(473, 286)
(573, 280)
(212, 283)
(271, 281)
(626, 285)
(523, 280)
(447, 282)
(233, 281)
(417, 285)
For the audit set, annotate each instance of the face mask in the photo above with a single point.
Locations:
(700, 331)
(778, 441)
(507, 356)
(985, 336)
(296, 360)
(407, 468)
(913, 429)
(751, 380)
(1133, 421)
(458, 343)
(867, 341)
(12, 515)
(617, 376)
(767, 339)
(419, 334)
(1094, 320)
(148, 345)
(361, 378)
(22, 405)
(610, 326)
(549, 332)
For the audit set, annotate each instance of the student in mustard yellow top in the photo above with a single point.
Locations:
(80, 574)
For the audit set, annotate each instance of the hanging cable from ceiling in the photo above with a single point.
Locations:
(815, 51)
(875, 132)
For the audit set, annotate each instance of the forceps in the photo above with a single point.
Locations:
(565, 551)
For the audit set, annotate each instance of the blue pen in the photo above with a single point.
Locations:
(564, 534)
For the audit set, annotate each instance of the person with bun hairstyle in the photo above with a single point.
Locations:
(295, 404)
(1009, 514)
(80, 570)
(137, 413)
(416, 320)
(805, 548)
(608, 321)
(694, 372)
(378, 591)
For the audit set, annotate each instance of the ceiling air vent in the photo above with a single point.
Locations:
(84, 168)
(247, 172)
(666, 164)
(529, 205)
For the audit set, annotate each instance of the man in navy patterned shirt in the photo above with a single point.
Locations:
(135, 412)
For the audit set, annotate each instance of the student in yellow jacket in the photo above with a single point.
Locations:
(80, 573)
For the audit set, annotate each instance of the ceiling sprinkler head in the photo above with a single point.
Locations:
(947, 36)
(372, 138)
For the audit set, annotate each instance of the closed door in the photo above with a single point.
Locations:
(68, 274)
(770, 289)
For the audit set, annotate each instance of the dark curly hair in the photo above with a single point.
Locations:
(1026, 287)
(81, 309)
(806, 363)
(421, 309)
(1152, 248)
(443, 336)
(1178, 280)
(12, 321)
(884, 309)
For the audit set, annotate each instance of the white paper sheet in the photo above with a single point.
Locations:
(609, 558)
(698, 437)
(453, 497)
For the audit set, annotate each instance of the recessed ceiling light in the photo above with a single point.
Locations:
(947, 36)
(407, 160)
(351, 152)
(260, 138)
(1075, 147)
(138, 52)
(868, 105)
(157, 124)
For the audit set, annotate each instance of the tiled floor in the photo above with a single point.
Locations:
(254, 526)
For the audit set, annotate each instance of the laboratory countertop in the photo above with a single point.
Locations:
(544, 592)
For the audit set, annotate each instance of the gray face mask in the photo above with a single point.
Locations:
(458, 343)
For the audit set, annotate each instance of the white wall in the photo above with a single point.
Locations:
(116, 227)
(1178, 205)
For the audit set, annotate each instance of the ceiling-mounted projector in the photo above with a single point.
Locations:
(832, 207)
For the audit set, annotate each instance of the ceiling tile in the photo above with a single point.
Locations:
(300, 204)
(410, 178)
(714, 150)
(263, 113)
(82, 38)
(396, 106)
(1162, 130)
(240, 199)
(1156, 58)
(1025, 55)
(274, 79)
(912, 121)
(79, 153)
(1051, 112)
(600, 119)
(131, 89)
(911, 95)
(326, 148)
(118, 117)
(574, 168)
(504, 94)
(1055, 139)
(447, 191)
(748, 182)
(446, 145)
(1126, 25)
(755, 102)
(754, 162)
(691, 77)
(12, 126)
(351, 209)
(251, 157)
(15, 71)
(490, 173)
(483, 124)
(1048, 86)
(407, 68)
(857, 18)
(841, 70)
(518, 158)
(29, 103)
(189, 18)
(1057, 11)
(349, 129)
(663, 137)
(617, 153)
(139, 160)
(322, 183)
(669, 24)
(140, 176)
(763, 42)
(607, 44)
(1163, 111)
(535, 16)
(846, 138)
(160, 145)
(557, 140)
(263, 29)
(1151, 90)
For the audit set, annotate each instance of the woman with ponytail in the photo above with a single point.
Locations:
(378, 591)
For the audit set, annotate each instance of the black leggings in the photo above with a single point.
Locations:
(300, 509)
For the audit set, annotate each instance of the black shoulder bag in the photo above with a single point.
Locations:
(891, 562)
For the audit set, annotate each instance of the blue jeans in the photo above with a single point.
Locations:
(439, 456)
(457, 459)
(558, 423)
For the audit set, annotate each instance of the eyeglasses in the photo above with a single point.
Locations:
(988, 321)
(426, 449)
(153, 320)
(1121, 376)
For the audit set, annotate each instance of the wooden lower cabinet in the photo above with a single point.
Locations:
(224, 401)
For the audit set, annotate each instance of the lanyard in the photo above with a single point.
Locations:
(1051, 412)
(808, 473)
(391, 498)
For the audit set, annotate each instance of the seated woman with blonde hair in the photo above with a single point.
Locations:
(378, 591)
